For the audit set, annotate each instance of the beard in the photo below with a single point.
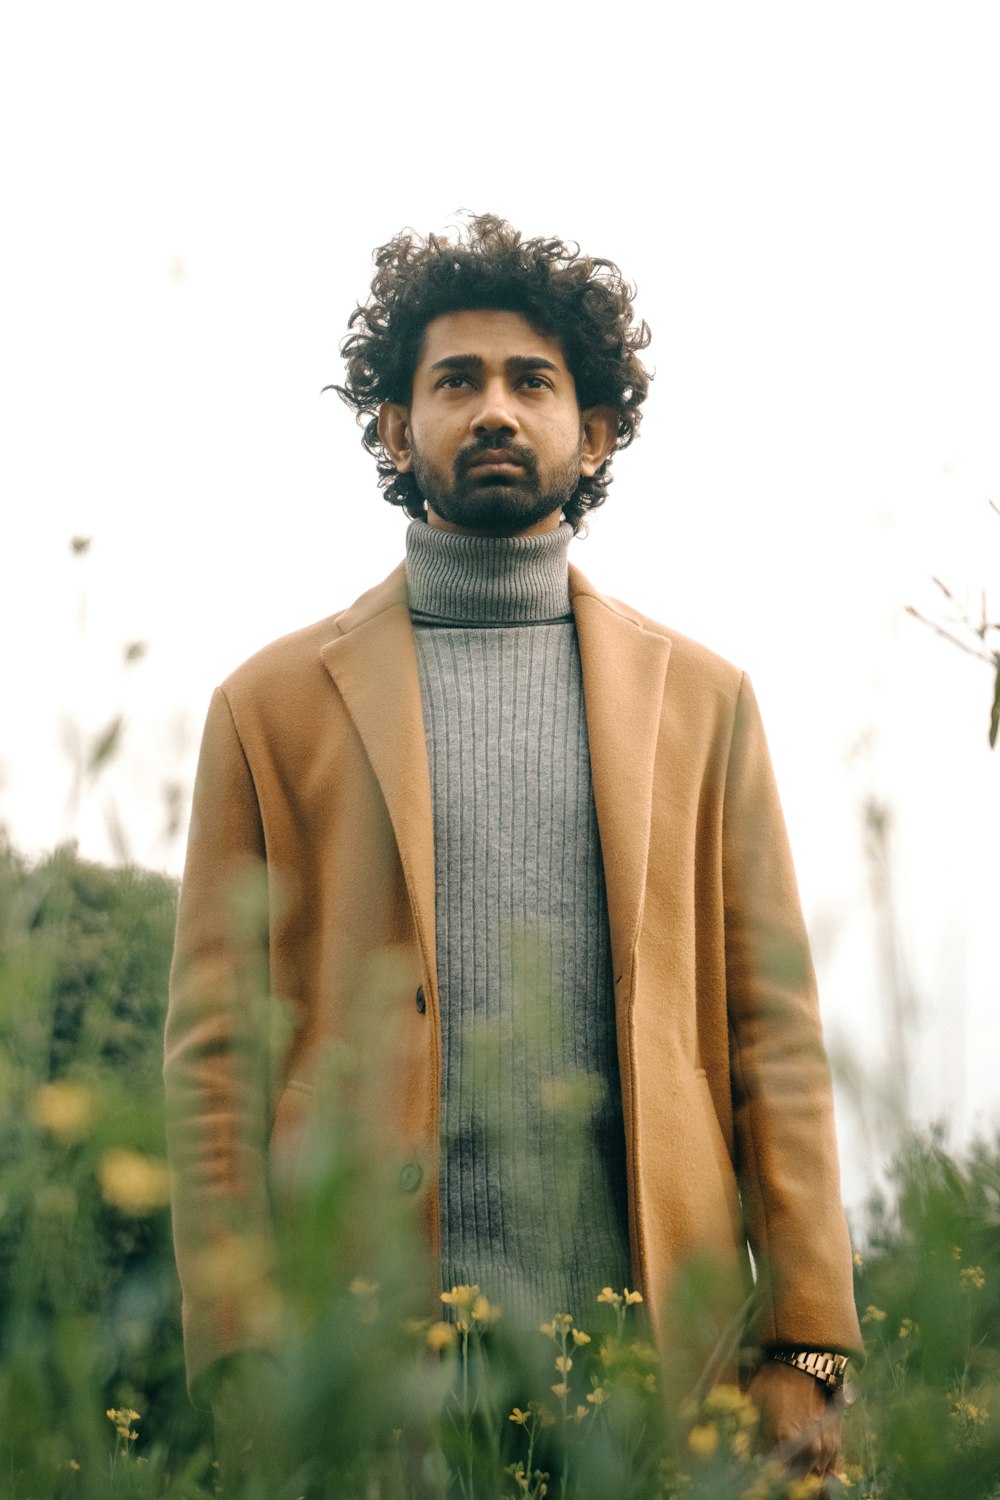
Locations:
(495, 503)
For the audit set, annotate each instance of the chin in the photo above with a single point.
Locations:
(495, 507)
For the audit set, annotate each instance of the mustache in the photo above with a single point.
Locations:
(495, 444)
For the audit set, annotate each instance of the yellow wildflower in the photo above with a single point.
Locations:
(133, 1183)
(579, 1337)
(967, 1411)
(522, 1418)
(64, 1109)
(563, 1320)
(581, 1412)
(749, 1416)
(632, 1298)
(549, 1329)
(704, 1439)
(740, 1443)
(956, 1252)
(805, 1489)
(359, 1287)
(730, 1401)
(597, 1396)
(440, 1336)
(613, 1299)
(858, 1261)
(484, 1311)
(724, 1398)
(564, 1364)
(972, 1279)
(768, 1476)
(461, 1297)
(908, 1327)
(560, 1389)
(71, 1463)
(873, 1314)
(123, 1418)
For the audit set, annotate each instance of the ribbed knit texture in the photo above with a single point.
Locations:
(533, 1196)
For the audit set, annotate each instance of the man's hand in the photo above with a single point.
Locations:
(800, 1419)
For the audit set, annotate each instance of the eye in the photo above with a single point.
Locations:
(452, 382)
(535, 383)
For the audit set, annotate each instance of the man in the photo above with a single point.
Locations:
(508, 784)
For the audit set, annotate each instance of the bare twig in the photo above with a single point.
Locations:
(954, 639)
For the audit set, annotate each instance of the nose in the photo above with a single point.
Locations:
(494, 412)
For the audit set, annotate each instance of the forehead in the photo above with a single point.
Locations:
(492, 334)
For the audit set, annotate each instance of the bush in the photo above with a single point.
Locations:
(88, 1294)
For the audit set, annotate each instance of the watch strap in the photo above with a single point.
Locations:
(829, 1369)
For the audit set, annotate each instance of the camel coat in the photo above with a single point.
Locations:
(313, 778)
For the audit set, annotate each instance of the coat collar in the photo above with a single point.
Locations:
(624, 668)
(373, 663)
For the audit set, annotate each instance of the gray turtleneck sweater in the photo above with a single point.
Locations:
(533, 1195)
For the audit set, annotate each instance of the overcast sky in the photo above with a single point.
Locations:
(805, 196)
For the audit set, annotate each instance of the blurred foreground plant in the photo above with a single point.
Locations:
(88, 1295)
(927, 1419)
(368, 1395)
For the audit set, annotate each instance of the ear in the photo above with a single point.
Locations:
(394, 434)
(600, 433)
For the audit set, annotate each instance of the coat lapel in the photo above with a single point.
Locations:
(624, 667)
(374, 665)
(373, 662)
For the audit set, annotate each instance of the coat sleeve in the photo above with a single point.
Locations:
(215, 1063)
(782, 1096)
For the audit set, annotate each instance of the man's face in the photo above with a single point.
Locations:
(493, 434)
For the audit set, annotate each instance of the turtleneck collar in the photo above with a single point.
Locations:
(487, 580)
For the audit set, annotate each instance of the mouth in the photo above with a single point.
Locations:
(496, 463)
(502, 466)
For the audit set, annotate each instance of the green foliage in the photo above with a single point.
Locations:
(88, 1294)
(367, 1396)
(928, 1418)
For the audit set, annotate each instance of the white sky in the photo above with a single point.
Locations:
(806, 198)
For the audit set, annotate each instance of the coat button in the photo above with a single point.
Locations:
(421, 1002)
(410, 1177)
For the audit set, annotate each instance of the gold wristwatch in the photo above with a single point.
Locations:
(829, 1369)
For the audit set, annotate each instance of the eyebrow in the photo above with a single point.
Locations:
(518, 364)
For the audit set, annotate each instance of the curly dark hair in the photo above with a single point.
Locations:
(580, 301)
